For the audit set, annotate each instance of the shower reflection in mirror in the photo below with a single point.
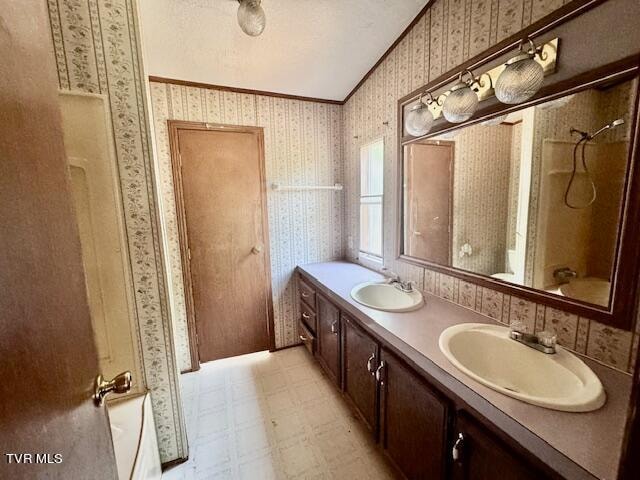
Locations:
(554, 226)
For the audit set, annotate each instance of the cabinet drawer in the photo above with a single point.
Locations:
(306, 337)
(307, 294)
(308, 317)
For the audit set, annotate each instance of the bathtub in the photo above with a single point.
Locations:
(134, 438)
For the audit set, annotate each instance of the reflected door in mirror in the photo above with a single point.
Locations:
(534, 197)
(428, 191)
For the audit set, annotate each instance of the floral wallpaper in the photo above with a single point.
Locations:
(449, 32)
(514, 184)
(303, 146)
(96, 48)
(480, 204)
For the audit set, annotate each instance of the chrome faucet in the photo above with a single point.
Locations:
(544, 341)
(395, 280)
(564, 275)
(406, 287)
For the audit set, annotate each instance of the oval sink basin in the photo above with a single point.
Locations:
(588, 289)
(386, 297)
(559, 381)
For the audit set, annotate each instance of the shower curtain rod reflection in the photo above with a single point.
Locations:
(278, 187)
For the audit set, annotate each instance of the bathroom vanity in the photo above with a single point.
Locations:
(430, 419)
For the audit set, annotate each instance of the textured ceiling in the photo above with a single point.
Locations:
(313, 48)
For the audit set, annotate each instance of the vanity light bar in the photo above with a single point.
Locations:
(483, 83)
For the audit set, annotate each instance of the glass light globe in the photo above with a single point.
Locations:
(520, 80)
(251, 17)
(419, 120)
(460, 104)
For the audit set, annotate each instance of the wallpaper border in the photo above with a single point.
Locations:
(97, 50)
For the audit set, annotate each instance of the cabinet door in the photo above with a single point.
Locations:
(479, 455)
(413, 421)
(360, 360)
(328, 335)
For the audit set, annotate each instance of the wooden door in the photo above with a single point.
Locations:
(413, 421)
(429, 200)
(220, 183)
(481, 456)
(360, 360)
(48, 359)
(328, 334)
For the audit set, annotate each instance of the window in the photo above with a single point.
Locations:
(371, 193)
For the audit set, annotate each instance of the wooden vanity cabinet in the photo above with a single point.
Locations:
(360, 354)
(307, 305)
(411, 418)
(413, 421)
(479, 455)
(395, 402)
(328, 337)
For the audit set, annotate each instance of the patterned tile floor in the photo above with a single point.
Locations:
(272, 416)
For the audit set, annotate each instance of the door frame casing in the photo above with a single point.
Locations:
(174, 126)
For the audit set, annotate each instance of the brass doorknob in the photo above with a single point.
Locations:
(121, 383)
(256, 250)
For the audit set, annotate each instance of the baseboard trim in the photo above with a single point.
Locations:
(173, 463)
(285, 347)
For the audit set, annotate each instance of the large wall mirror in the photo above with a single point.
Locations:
(534, 198)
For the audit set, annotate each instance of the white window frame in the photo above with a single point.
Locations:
(371, 258)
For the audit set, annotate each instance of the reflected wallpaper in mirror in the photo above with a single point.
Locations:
(532, 198)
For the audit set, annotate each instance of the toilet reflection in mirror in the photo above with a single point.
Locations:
(532, 198)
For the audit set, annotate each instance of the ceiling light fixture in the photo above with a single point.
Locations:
(251, 17)
(462, 101)
(522, 77)
(419, 120)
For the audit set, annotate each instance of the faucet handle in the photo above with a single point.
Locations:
(547, 338)
(393, 276)
(518, 326)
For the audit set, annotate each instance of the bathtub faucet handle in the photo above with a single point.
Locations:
(121, 383)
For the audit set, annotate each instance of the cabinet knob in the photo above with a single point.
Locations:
(456, 451)
(379, 378)
(303, 338)
(370, 368)
(305, 294)
(306, 316)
